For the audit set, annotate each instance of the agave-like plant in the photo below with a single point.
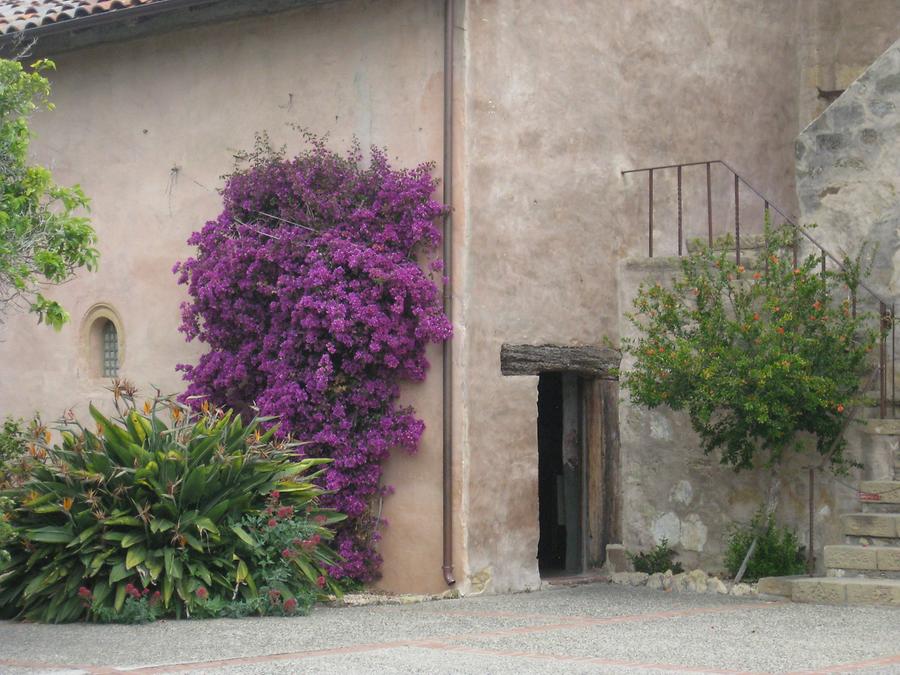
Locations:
(142, 503)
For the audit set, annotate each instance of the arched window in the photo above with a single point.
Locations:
(102, 343)
(110, 345)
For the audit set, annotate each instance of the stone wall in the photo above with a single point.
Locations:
(848, 180)
(671, 490)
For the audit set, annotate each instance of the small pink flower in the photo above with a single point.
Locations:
(285, 511)
(320, 519)
(202, 593)
(288, 553)
(85, 592)
(290, 605)
(272, 522)
(321, 581)
(276, 495)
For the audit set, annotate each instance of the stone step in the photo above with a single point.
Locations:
(875, 542)
(863, 558)
(882, 427)
(880, 492)
(879, 507)
(751, 242)
(837, 591)
(871, 524)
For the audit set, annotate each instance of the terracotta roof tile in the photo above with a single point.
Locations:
(20, 15)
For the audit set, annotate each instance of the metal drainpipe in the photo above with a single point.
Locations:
(447, 355)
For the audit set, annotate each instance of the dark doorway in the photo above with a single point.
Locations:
(560, 474)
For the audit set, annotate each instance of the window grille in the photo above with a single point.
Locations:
(110, 350)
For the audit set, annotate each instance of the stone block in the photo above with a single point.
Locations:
(630, 578)
(880, 491)
(888, 558)
(741, 590)
(777, 585)
(616, 558)
(679, 582)
(656, 581)
(870, 524)
(715, 585)
(850, 557)
(820, 591)
(873, 592)
(697, 581)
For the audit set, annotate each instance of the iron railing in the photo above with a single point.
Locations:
(737, 184)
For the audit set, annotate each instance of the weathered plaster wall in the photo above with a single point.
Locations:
(561, 98)
(838, 40)
(148, 126)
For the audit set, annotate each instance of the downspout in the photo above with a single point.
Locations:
(447, 354)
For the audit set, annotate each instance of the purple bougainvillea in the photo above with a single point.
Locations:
(309, 293)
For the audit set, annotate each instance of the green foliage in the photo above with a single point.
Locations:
(6, 530)
(42, 240)
(137, 608)
(139, 507)
(15, 459)
(777, 553)
(659, 559)
(754, 354)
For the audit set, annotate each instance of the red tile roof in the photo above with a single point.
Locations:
(19, 15)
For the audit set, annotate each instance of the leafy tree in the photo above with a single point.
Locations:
(755, 353)
(42, 240)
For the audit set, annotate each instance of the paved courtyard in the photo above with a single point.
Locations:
(585, 629)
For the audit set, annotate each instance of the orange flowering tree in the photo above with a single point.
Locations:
(754, 353)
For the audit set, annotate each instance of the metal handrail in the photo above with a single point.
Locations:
(886, 310)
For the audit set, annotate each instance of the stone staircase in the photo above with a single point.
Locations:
(866, 569)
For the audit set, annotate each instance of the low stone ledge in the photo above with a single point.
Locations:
(369, 599)
(821, 591)
(695, 581)
(780, 586)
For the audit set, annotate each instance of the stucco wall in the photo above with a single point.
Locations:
(560, 100)
(148, 127)
(553, 101)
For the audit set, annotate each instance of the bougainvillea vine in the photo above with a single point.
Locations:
(309, 293)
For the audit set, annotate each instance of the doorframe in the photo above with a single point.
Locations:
(598, 412)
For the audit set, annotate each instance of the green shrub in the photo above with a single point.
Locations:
(13, 452)
(778, 552)
(755, 355)
(186, 515)
(659, 559)
(6, 530)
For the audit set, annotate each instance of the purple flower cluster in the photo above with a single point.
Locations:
(309, 293)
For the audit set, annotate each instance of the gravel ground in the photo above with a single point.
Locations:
(585, 629)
